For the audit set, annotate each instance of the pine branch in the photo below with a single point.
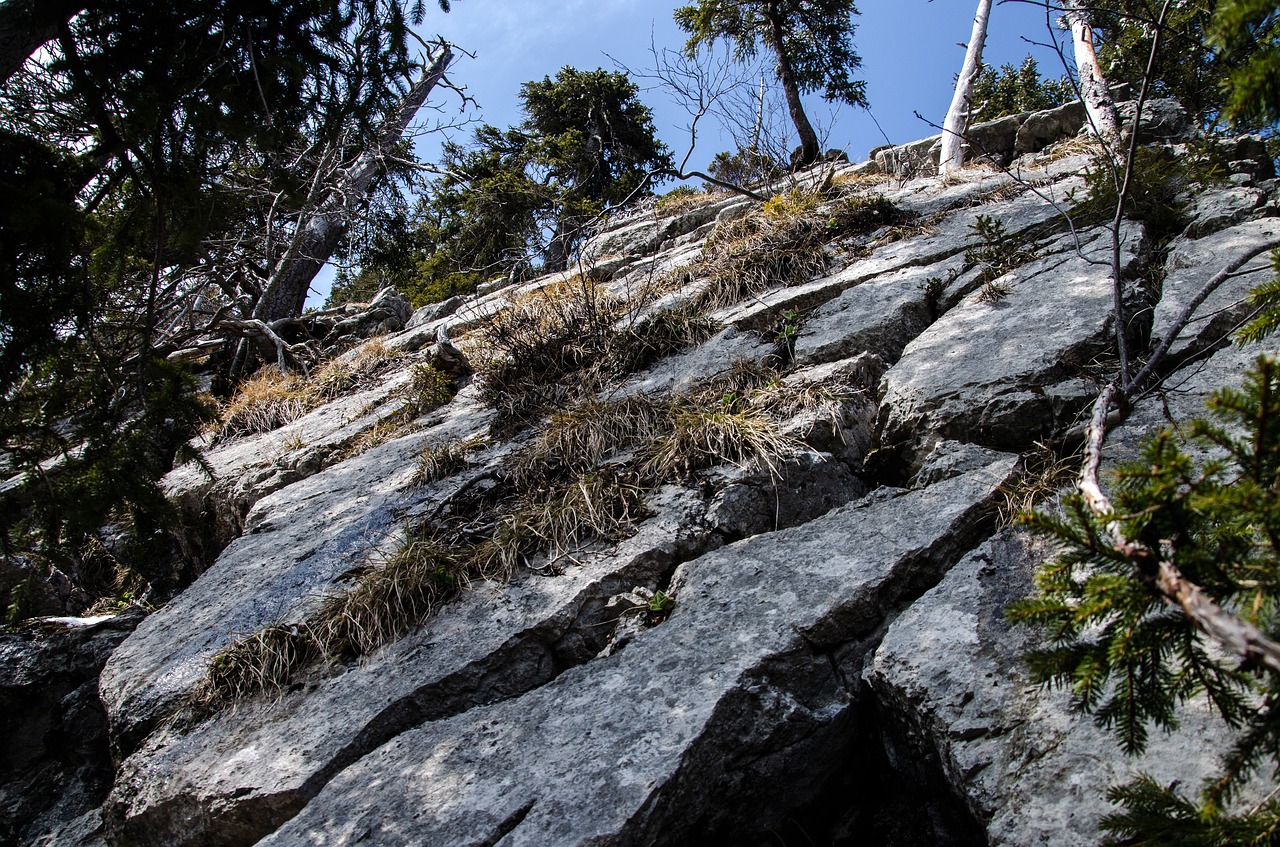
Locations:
(1235, 635)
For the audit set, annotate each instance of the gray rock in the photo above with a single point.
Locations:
(1191, 263)
(1219, 208)
(434, 311)
(1040, 129)
(664, 740)
(979, 373)
(55, 763)
(298, 542)
(1163, 119)
(881, 315)
(949, 670)
(993, 141)
(234, 778)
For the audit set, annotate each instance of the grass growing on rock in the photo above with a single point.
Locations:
(583, 481)
(565, 341)
(270, 399)
(438, 460)
(785, 243)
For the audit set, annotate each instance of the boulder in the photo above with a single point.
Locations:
(950, 678)
(55, 764)
(1192, 262)
(1049, 126)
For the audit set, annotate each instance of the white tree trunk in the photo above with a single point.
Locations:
(1093, 85)
(315, 241)
(957, 122)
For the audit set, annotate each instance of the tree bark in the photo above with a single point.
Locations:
(957, 122)
(809, 150)
(1093, 84)
(313, 244)
(27, 25)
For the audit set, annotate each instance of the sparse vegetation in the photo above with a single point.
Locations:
(995, 254)
(684, 198)
(438, 460)
(1159, 178)
(1130, 658)
(783, 244)
(270, 399)
(584, 479)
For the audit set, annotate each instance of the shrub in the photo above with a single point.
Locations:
(995, 254)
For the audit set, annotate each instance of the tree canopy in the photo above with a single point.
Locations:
(811, 39)
(512, 198)
(144, 194)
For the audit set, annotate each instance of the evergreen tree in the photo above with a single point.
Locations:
(811, 39)
(511, 197)
(592, 142)
(126, 148)
(1248, 33)
(1010, 90)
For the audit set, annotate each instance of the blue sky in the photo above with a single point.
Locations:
(910, 53)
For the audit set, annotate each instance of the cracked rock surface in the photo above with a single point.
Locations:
(765, 637)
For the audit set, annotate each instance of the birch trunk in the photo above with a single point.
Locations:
(957, 122)
(313, 244)
(1093, 85)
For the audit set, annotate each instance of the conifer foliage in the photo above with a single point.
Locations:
(1130, 658)
(150, 156)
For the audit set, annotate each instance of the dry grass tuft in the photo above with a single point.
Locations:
(589, 433)
(783, 244)
(260, 661)
(640, 343)
(344, 375)
(1044, 475)
(392, 597)
(593, 506)
(725, 432)
(268, 400)
(858, 181)
(438, 460)
(683, 198)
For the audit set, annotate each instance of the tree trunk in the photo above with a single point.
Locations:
(1093, 85)
(957, 122)
(314, 242)
(27, 25)
(809, 150)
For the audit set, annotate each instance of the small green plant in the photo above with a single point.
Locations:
(788, 330)
(995, 254)
(659, 607)
(1155, 187)
(1129, 658)
(429, 388)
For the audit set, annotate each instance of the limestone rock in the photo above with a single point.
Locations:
(733, 685)
(949, 669)
(55, 765)
(1192, 262)
(981, 371)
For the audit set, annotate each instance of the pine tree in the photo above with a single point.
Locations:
(812, 41)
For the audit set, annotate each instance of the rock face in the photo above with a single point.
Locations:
(55, 766)
(811, 648)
